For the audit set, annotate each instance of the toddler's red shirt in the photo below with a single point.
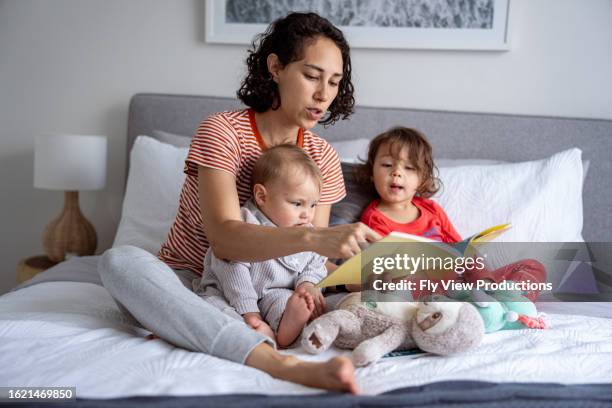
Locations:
(432, 222)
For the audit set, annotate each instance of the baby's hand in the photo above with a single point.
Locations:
(258, 324)
(317, 297)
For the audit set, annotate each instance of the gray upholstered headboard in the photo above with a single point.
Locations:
(453, 135)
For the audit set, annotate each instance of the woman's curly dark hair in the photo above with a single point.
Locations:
(286, 38)
(420, 155)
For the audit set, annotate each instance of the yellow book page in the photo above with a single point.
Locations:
(350, 271)
(491, 233)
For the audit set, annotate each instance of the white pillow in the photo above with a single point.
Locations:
(466, 162)
(542, 199)
(152, 195)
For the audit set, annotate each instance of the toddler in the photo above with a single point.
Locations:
(276, 297)
(401, 168)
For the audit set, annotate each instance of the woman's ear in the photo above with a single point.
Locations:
(274, 66)
(260, 194)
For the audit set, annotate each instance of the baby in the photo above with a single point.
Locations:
(276, 297)
(400, 168)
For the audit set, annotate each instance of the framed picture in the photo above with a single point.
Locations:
(395, 24)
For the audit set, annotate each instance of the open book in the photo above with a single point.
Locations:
(394, 244)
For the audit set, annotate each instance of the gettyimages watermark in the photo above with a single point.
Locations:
(517, 271)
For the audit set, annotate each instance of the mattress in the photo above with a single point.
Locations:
(63, 329)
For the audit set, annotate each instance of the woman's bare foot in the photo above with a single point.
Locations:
(337, 374)
(298, 310)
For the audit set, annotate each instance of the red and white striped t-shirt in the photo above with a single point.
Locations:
(230, 141)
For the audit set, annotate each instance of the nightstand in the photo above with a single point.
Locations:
(30, 267)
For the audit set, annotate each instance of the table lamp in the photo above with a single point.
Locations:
(71, 163)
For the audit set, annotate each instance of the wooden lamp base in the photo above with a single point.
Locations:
(70, 232)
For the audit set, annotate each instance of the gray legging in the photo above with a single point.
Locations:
(161, 300)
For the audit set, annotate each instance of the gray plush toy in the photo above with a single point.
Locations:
(373, 329)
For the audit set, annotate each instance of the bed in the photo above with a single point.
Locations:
(63, 329)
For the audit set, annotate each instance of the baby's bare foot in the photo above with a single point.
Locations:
(310, 303)
(297, 312)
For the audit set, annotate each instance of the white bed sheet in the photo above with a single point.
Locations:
(72, 334)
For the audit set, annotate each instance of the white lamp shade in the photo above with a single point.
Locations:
(70, 162)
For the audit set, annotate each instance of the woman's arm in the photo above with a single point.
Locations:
(321, 217)
(231, 238)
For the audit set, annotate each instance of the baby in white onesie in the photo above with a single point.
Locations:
(276, 297)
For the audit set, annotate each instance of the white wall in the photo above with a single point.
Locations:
(72, 66)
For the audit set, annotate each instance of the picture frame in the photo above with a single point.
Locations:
(493, 38)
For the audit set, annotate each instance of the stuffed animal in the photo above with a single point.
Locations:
(503, 310)
(373, 329)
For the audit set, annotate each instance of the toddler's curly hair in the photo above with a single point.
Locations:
(420, 155)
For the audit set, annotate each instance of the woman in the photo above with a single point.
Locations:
(298, 75)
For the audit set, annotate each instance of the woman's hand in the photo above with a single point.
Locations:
(343, 241)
